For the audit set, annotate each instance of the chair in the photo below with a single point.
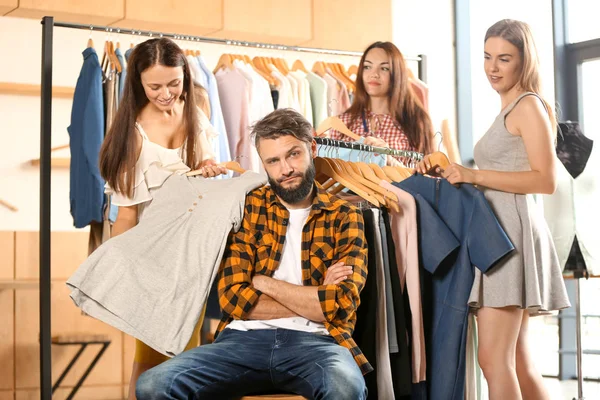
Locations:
(82, 340)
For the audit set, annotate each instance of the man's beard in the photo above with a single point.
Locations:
(296, 194)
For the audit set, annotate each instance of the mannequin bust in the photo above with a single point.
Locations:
(573, 150)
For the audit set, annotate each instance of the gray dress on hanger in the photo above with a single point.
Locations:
(529, 277)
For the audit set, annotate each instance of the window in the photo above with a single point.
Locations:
(582, 20)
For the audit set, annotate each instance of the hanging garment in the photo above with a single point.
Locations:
(530, 277)
(303, 95)
(334, 96)
(260, 105)
(222, 151)
(152, 281)
(572, 211)
(285, 98)
(234, 95)
(318, 97)
(385, 386)
(86, 134)
(449, 216)
(368, 313)
(399, 360)
(123, 73)
(404, 231)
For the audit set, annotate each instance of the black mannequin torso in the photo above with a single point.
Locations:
(573, 150)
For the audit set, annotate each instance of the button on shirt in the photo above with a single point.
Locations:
(334, 231)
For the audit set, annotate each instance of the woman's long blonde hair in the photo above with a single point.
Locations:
(519, 35)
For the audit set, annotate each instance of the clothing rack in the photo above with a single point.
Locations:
(48, 25)
(413, 155)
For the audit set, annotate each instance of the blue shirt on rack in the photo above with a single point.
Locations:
(447, 286)
(86, 133)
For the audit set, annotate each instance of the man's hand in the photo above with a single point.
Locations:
(337, 273)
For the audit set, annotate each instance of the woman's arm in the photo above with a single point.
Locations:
(530, 121)
(126, 219)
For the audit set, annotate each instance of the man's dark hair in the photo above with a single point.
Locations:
(283, 122)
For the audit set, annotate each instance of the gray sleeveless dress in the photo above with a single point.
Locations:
(529, 277)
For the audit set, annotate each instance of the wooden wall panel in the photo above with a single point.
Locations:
(271, 21)
(66, 318)
(68, 251)
(7, 340)
(197, 17)
(8, 5)
(350, 24)
(7, 395)
(79, 11)
(7, 255)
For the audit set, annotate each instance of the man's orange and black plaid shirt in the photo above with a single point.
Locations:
(334, 231)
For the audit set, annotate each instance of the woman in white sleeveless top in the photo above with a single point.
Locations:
(158, 131)
(516, 159)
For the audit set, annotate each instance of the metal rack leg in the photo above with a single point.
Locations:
(579, 347)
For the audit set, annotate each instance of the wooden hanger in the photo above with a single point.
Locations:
(438, 159)
(325, 168)
(334, 70)
(225, 62)
(353, 70)
(372, 182)
(380, 173)
(114, 58)
(8, 205)
(90, 42)
(346, 169)
(319, 68)
(230, 165)
(341, 71)
(393, 173)
(299, 66)
(338, 125)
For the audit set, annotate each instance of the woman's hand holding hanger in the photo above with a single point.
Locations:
(454, 173)
(210, 169)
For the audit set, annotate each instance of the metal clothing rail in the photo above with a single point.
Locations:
(413, 155)
(48, 25)
(421, 59)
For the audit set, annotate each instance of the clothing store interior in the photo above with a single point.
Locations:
(299, 199)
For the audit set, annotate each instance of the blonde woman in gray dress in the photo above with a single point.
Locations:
(516, 159)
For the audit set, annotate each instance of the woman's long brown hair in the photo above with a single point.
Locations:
(118, 154)
(405, 108)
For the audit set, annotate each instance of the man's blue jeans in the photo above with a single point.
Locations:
(240, 363)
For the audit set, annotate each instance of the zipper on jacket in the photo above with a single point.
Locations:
(437, 193)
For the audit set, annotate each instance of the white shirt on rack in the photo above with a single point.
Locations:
(290, 270)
